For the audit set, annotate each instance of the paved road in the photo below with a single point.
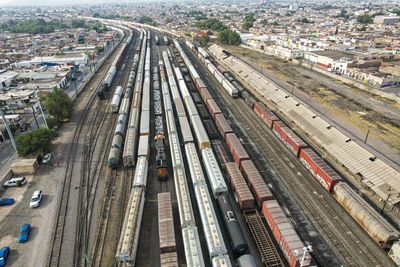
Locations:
(384, 151)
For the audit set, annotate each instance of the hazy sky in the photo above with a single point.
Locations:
(60, 2)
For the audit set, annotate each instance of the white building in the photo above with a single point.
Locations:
(386, 20)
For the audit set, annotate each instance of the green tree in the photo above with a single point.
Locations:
(204, 40)
(58, 104)
(52, 122)
(247, 25)
(213, 24)
(305, 20)
(229, 37)
(35, 142)
(78, 23)
(365, 19)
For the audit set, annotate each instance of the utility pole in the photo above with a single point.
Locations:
(10, 134)
(366, 137)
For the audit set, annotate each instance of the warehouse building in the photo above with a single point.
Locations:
(386, 20)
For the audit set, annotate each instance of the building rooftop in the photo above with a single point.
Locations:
(335, 54)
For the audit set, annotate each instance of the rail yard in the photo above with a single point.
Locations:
(182, 155)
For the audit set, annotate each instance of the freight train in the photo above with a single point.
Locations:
(129, 238)
(123, 111)
(106, 83)
(252, 183)
(190, 234)
(372, 222)
(135, 116)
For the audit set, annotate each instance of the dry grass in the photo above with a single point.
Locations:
(361, 117)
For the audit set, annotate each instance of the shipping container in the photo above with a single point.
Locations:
(325, 175)
(236, 148)
(288, 137)
(265, 114)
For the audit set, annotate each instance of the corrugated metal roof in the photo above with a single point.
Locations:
(375, 173)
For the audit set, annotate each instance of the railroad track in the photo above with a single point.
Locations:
(84, 234)
(92, 103)
(346, 238)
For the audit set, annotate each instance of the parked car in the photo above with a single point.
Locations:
(36, 198)
(4, 252)
(6, 201)
(46, 158)
(15, 182)
(24, 233)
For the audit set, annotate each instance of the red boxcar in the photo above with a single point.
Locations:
(265, 114)
(285, 235)
(239, 186)
(288, 137)
(256, 181)
(213, 107)
(199, 84)
(222, 125)
(222, 153)
(325, 175)
(235, 146)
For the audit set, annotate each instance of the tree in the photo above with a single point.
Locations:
(213, 24)
(229, 37)
(203, 40)
(58, 104)
(305, 20)
(365, 19)
(35, 142)
(78, 23)
(247, 25)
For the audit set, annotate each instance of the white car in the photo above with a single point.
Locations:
(46, 158)
(15, 182)
(36, 198)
